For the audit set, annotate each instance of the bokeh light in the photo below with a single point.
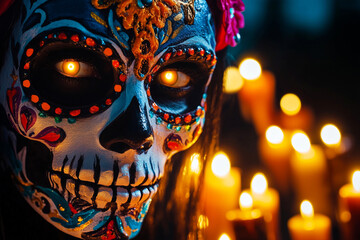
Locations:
(290, 104)
(356, 180)
(220, 165)
(250, 69)
(195, 163)
(274, 134)
(233, 81)
(306, 209)
(300, 142)
(245, 201)
(330, 135)
(259, 183)
(224, 236)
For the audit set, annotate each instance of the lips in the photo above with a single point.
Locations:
(90, 195)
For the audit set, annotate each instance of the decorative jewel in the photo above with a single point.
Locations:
(58, 119)
(71, 120)
(159, 121)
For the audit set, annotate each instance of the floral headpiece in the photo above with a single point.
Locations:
(228, 21)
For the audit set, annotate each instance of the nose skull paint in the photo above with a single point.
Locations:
(98, 95)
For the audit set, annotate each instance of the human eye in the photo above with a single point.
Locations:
(173, 78)
(74, 68)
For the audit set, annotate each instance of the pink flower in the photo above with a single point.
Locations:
(233, 19)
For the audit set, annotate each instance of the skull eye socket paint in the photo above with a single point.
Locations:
(68, 74)
(178, 84)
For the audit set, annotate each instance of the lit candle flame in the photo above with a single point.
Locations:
(245, 201)
(306, 209)
(250, 69)
(356, 180)
(233, 81)
(330, 135)
(274, 134)
(224, 236)
(290, 104)
(220, 165)
(300, 142)
(259, 184)
(195, 163)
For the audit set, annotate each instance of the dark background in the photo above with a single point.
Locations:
(312, 48)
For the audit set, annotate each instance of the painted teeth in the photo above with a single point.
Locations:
(86, 193)
(101, 196)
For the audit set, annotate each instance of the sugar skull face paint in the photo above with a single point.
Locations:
(97, 100)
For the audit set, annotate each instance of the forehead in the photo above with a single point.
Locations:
(187, 19)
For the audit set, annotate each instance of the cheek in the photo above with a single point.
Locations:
(24, 118)
(180, 139)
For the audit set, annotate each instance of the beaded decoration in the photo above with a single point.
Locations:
(180, 121)
(49, 108)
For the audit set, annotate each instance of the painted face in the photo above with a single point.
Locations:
(98, 95)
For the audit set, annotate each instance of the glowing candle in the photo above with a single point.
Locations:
(267, 200)
(349, 206)
(331, 137)
(256, 97)
(309, 226)
(275, 150)
(233, 81)
(220, 194)
(250, 69)
(224, 236)
(293, 115)
(248, 223)
(309, 172)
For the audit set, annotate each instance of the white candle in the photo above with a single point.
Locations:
(275, 150)
(309, 172)
(220, 194)
(268, 201)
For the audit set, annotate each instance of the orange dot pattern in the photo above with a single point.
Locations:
(183, 121)
(72, 37)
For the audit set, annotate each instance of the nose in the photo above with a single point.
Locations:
(130, 130)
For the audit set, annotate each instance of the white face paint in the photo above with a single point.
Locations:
(87, 140)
